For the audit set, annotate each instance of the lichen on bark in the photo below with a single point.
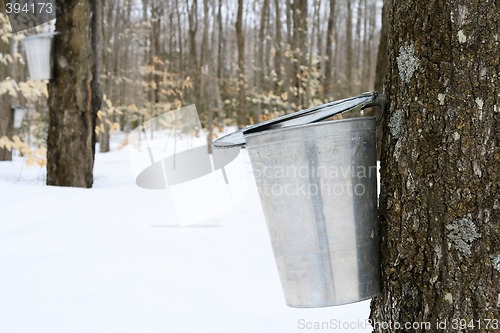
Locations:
(461, 234)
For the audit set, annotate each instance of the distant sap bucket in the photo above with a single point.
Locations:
(19, 114)
(38, 50)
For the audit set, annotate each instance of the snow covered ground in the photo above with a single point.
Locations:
(113, 259)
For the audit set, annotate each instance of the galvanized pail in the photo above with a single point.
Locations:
(38, 50)
(318, 189)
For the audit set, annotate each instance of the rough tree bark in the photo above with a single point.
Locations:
(439, 204)
(74, 97)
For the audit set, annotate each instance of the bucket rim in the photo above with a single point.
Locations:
(311, 115)
(47, 35)
(322, 123)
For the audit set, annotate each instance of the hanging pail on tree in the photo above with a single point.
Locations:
(317, 183)
(19, 113)
(38, 50)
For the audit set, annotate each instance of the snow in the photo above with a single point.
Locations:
(114, 259)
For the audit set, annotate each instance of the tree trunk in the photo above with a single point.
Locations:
(381, 70)
(278, 46)
(193, 67)
(240, 41)
(6, 120)
(179, 37)
(104, 133)
(366, 62)
(74, 98)
(220, 46)
(439, 206)
(382, 48)
(349, 48)
(105, 33)
(329, 83)
(299, 48)
(358, 48)
(259, 76)
(156, 49)
(320, 46)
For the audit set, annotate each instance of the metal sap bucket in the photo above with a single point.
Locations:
(318, 189)
(38, 50)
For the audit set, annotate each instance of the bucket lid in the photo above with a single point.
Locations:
(307, 116)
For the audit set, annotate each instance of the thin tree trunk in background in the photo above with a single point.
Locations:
(260, 57)
(328, 85)
(382, 48)
(268, 63)
(209, 79)
(358, 49)
(287, 52)
(6, 119)
(104, 133)
(220, 45)
(193, 69)
(310, 58)
(371, 55)
(220, 64)
(74, 98)
(115, 89)
(278, 50)
(336, 51)
(299, 44)
(179, 36)
(124, 65)
(193, 27)
(240, 41)
(147, 52)
(320, 46)
(381, 70)
(204, 52)
(169, 49)
(349, 62)
(156, 59)
(221, 41)
(439, 204)
(365, 52)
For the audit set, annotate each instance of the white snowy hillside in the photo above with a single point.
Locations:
(114, 259)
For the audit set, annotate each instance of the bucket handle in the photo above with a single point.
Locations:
(379, 101)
